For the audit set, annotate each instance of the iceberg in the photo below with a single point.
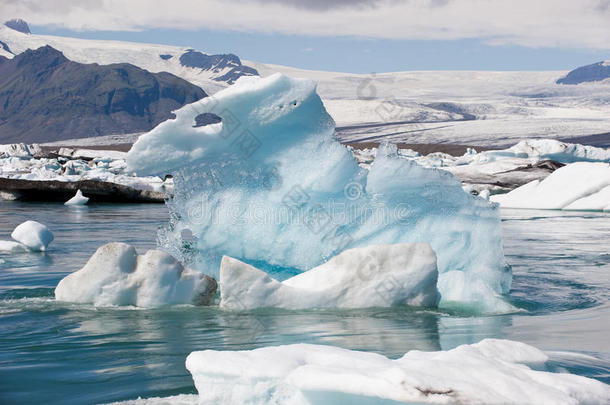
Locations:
(376, 275)
(34, 235)
(271, 186)
(492, 371)
(78, 199)
(577, 186)
(117, 276)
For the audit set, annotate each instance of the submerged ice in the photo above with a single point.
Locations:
(270, 186)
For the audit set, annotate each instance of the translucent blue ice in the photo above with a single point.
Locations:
(271, 186)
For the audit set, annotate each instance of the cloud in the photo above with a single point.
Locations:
(539, 23)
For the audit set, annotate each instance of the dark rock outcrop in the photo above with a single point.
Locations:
(18, 25)
(61, 191)
(46, 97)
(5, 47)
(590, 73)
(217, 63)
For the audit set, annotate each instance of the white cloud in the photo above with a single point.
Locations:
(534, 23)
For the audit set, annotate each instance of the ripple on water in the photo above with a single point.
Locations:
(560, 262)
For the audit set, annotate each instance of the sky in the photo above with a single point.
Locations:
(359, 36)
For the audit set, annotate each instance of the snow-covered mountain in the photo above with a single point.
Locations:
(210, 72)
(18, 25)
(595, 72)
(463, 107)
(46, 97)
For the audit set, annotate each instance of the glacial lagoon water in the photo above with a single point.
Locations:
(54, 352)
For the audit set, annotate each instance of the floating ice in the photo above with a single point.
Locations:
(489, 372)
(34, 235)
(376, 275)
(19, 150)
(11, 247)
(577, 186)
(78, 199)
(116, 275)
(550, 149)
(271, 186)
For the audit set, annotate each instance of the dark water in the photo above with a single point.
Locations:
(76, 354)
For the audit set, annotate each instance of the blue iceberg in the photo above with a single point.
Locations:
(266, 182)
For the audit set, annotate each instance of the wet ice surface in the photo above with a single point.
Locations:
(561, 264)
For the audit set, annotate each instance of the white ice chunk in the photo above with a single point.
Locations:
(20, 150)
(551, 149)
(580, 185)
(34, 235)
(489, 372)
(376, 275)
(272, 186)
(11, 247)
(78, 199)
(116, 275)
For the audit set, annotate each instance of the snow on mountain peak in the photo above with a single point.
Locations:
(211, 72)
(18, 25)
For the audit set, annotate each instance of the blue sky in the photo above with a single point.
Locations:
(347, 35)
(356, 54)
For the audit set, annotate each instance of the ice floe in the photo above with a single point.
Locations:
(376, 275)
(11, 247)
(271, 185)
(19, 150)
(577, 186)
(550, 149)
(78, 199)
(117, 276)
(489, 372)
(34, 235)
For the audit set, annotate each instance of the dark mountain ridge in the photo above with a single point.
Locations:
(46, 97)
(591, 73)
(216, 63)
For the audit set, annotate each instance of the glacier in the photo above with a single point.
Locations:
(493, 371)
(271, 186)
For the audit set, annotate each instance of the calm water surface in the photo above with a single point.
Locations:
(76, 354)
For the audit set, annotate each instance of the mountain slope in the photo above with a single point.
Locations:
(46, 97)
(210, 72)
(591, 73)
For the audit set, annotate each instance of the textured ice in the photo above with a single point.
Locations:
(34, 235)
(577, 186)
(489, 372)
(11, 247)
(376, 275)
(116, 275)
(271, 186)
(550, 149)
(78, 199)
